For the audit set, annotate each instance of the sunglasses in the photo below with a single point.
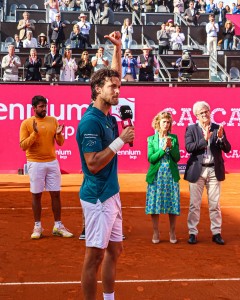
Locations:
(85, 53)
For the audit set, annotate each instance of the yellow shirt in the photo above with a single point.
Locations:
(40, 147)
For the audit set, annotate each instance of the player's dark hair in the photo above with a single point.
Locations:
(99, 78)
(37, 99)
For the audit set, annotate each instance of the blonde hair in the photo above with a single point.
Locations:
(162, 115)
(125, 21)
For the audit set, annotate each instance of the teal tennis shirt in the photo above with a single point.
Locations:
(95, 132)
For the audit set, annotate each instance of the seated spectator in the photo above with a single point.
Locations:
(18, 44)
(107, 16)
(210, 7)
(200, 6)
(53, 9)
(163, 37)
(99, 61)
(129, 64)
(147, 64)
(66, 6)
(24, 25)
(178, 6)
(93, 6)
(228, 34)
(30, 41)
(10, 64)
(191, 15)
(237, 10)
(33, 65)
(127, 31)
(77, 5)
(53, 63)
(233, 9)
(85, 68)
(69, 66)
(84, 27)
(177, 39)
(42, 41)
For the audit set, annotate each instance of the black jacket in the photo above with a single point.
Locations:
(33, 72)
(48, 60)
(57, 35)
(196, 144)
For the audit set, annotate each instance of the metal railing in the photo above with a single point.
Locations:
(161, 63)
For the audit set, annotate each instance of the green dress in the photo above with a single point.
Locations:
(163, 194)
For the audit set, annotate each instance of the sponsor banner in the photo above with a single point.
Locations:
(68, 104)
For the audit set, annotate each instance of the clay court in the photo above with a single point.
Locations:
(50, 268)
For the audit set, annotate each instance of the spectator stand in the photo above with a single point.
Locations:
(28, 3)
(35, 15)
(202, 63)
(157, 17)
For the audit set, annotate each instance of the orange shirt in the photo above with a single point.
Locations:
(40, 147)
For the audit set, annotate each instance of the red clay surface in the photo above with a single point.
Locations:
(50, 268)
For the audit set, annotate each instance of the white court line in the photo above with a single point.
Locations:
(123, 207)
(121, 281)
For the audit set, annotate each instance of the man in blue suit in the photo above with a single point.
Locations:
(205, 142)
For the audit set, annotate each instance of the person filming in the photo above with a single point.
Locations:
(186, 67)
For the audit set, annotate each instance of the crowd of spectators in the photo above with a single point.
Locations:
(65, 68)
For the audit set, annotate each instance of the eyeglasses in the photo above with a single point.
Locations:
(85, 53)
(205, 112)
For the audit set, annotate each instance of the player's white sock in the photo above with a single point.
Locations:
(108, 296)
(38, 224)
(57, 224)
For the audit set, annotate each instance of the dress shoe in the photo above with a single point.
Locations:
(192, 239)
(218, 239)
(173, 241)
(155, 238)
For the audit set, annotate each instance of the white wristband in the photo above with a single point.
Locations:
(116, 145)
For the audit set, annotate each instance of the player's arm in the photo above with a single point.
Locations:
(96, 161)
(115, 38)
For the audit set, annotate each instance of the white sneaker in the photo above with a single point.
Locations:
(62, 231)
(37, 233)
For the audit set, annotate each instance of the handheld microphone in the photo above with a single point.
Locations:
(126, 116)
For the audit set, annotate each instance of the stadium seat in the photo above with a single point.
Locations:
(13, 8)
(234, 74)
(23, 6)
(163, 8)
(9, 40)
(74, 22)
(150, 23)
(117, 23)
(41, 21)
(34, 6)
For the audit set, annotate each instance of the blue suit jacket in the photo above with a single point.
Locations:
(133, 64)
(195, 145)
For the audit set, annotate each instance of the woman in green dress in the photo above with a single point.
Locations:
(163, 196)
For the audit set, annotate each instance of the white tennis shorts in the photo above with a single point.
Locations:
(103, 222)
(44, 175)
